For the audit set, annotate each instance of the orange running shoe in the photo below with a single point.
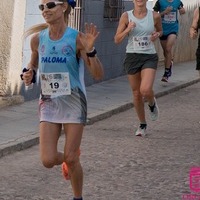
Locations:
(65, 169)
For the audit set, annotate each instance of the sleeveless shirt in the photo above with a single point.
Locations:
(56, 59)
(139, 37)
(60, 56)
(169, 21)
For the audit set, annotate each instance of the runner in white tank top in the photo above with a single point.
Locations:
(142, 27)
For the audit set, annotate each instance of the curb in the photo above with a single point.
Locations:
(120, 108)
(11, 100)
(19, 144)
(29, 141)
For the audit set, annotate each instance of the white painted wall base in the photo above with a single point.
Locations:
(15, 62)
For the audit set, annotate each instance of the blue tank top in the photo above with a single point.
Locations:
(169, 21)
(60, 56)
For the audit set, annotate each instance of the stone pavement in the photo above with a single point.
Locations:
(118, 165)
(19, 123)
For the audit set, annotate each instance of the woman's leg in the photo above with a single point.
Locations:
(164, 46)
(49, 135)
(167, 46)
(135, 83)
(73, 137)
(146, 87)
(171, 40)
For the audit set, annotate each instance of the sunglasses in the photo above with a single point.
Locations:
(49, 5)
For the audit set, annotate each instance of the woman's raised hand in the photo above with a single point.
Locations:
(89, 37)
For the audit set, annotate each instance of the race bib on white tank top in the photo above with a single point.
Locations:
(142, 43)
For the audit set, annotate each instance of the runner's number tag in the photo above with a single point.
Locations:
(141, 42)
(170, 17)
(56, 84)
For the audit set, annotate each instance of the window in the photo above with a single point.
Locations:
(113, 9)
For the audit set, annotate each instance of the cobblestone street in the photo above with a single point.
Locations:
(118, 165)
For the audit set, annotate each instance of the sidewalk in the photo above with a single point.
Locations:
(19, 124)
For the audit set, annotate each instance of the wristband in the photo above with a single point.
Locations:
(92, 53)
(34, 75)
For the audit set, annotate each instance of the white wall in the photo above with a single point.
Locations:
(15, 61)
(33, 17)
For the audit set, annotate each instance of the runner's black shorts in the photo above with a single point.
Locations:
(198, 59)
(164, 37)
(198, 55)
(135, 62)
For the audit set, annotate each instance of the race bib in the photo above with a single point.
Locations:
(142, 43)
(56, 84)
(170, 17)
